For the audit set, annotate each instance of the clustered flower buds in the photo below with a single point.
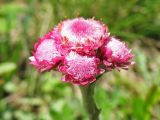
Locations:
(81, 49)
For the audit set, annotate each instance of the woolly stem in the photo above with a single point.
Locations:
(88, 101)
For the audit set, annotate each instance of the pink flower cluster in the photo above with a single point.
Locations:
(81, 49)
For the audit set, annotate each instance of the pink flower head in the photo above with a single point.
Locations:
(80, 49)
(83, 35)
(80, 69)
(45, 55)
(116, 54)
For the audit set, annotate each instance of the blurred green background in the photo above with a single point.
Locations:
(26, 94)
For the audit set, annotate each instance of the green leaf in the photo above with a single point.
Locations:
(3, 25)
(7, 67)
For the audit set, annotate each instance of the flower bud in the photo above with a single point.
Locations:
(116, 54)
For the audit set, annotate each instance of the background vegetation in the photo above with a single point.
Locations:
(26, 94)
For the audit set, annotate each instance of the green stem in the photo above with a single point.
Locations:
(89, 103)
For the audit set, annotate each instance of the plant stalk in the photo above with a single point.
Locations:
(88, 101)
